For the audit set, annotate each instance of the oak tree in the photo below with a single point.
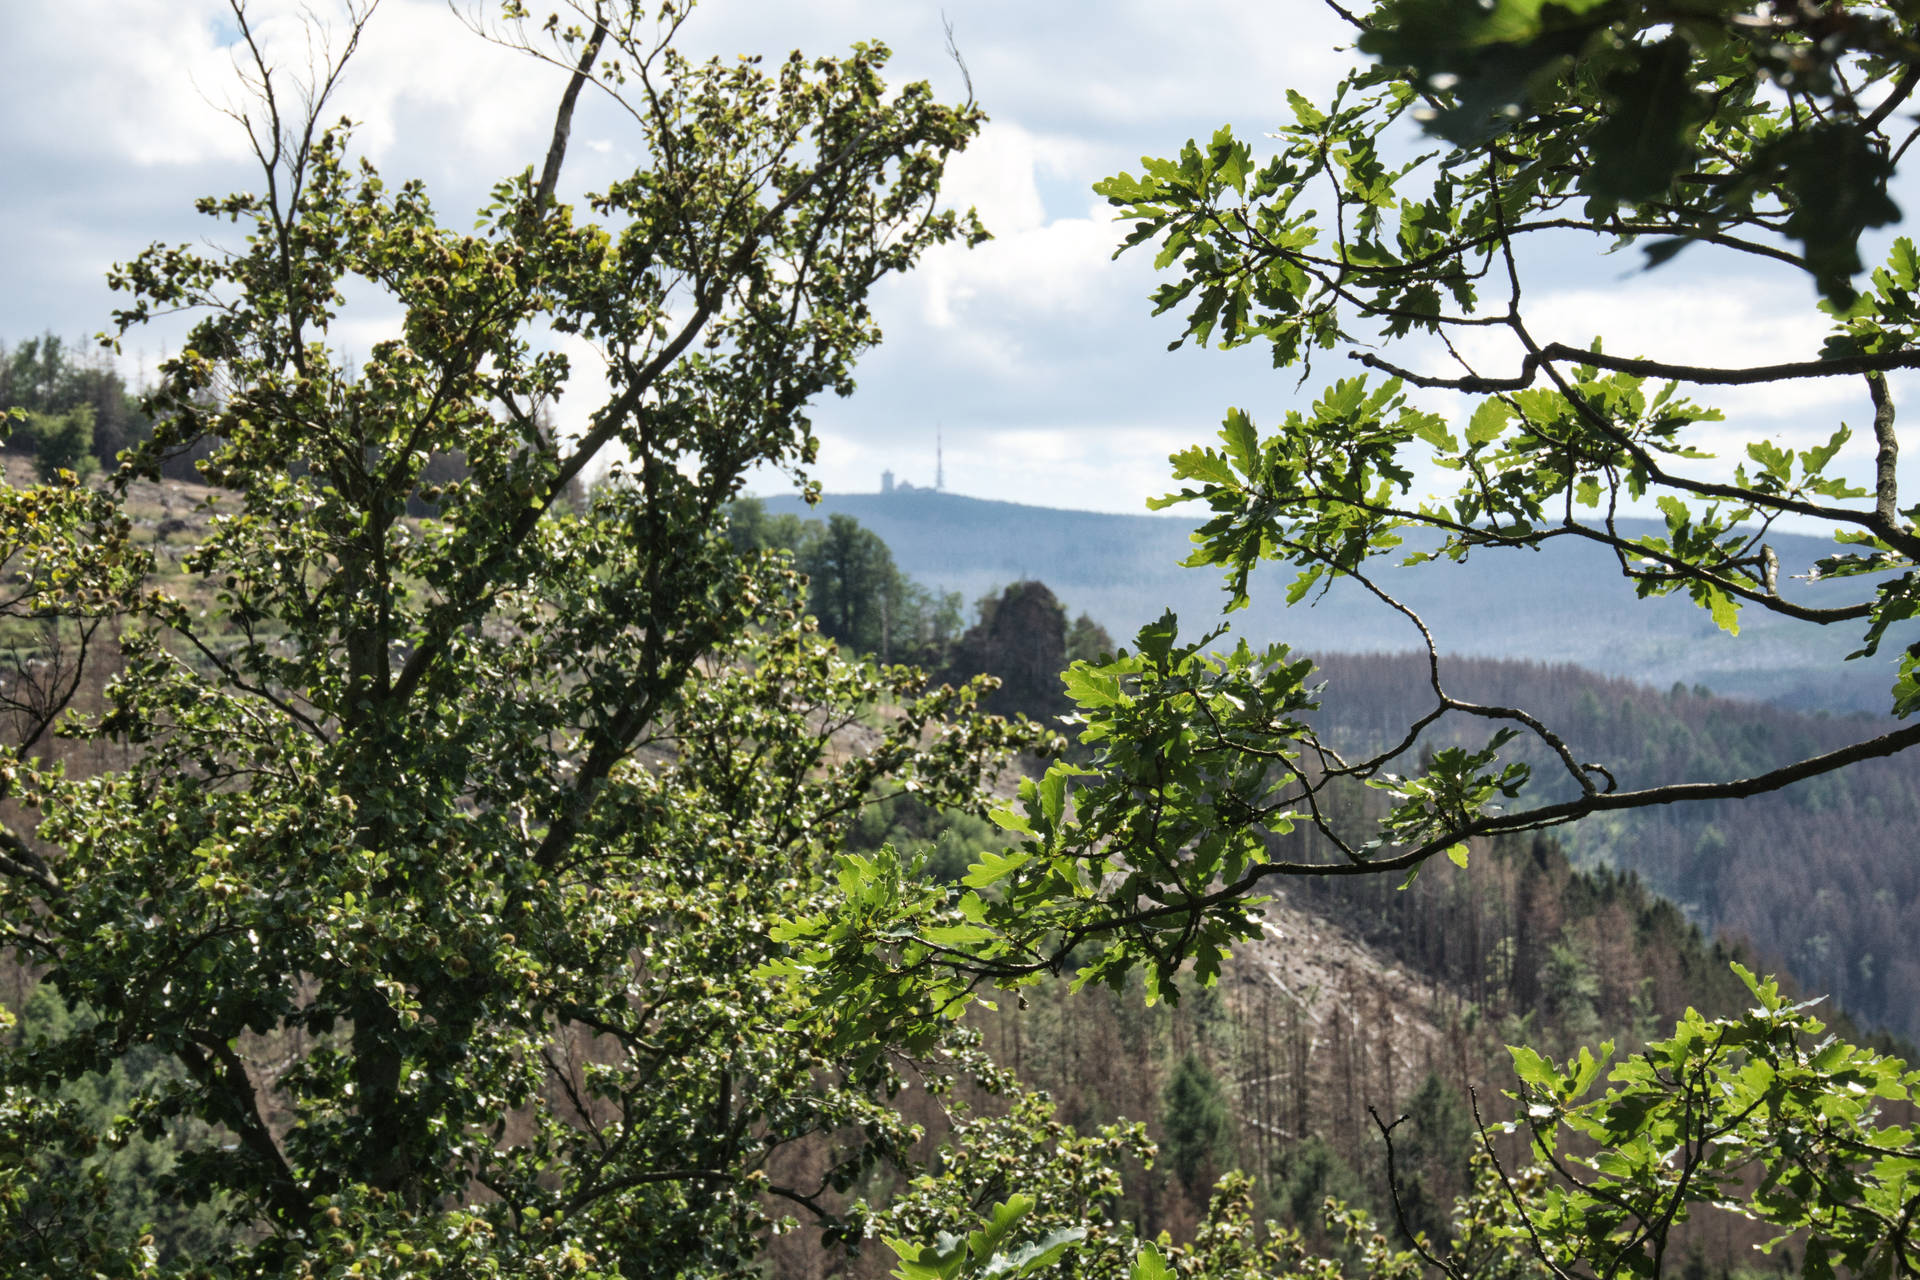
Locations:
(446, 851)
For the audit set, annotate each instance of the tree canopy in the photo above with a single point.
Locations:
(854, 590)
(430, 864)
(77, 412)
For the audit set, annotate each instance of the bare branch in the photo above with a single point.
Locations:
(563, 118)
(1545, 816)
(218, 1069)
(1393, 1189)
(1447, 702)
(1554, 815)
(1902, 90)
(1347, 15)
(953, 51)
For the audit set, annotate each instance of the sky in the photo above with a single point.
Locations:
(1034, 358)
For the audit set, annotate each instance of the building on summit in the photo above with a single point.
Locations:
(890, 485)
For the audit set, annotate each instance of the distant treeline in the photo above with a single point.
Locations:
(79, 412)
(1020, 635)
(1817, 878)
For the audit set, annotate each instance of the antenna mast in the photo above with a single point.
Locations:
(939, 463)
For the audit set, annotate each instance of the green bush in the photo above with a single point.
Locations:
(60, 442)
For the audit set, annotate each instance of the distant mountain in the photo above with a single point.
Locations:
(1565, 603)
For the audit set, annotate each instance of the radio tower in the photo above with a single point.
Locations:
(939, 464)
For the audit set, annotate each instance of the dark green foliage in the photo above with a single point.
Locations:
(442, 469)
(1304, 1175)
(1480, 942)
(1208, 775)
(1088, 641)
(1604, 100)
(133, 1171)
(1570, 989)
(865, 603)
(1432, 1148)
(1198, 1128)
(47, 378)
(480, 889)
(59, 442)
(946, 842)
(861, 600)
(850, 579)
(751, 528)
(1021, 640)
(1629, 92)
(993, 1250)
(58, 1214)
(1689, 1122)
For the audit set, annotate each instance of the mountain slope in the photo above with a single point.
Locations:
(1821, 876)
(1564, 603)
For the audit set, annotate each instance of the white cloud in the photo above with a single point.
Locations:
(149, 83)
(1672, 319)
(587, 387)
(999, 174)
(1027, 349)
(121, 78)
(1046, 273)
(1709, 323)
(1134, 66)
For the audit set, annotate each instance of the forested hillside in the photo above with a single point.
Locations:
(1500, 603)
(1816, 877)
(1357, 995)
(1819, 877)
(75, 409)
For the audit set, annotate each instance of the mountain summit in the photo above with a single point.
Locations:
(1566, 602)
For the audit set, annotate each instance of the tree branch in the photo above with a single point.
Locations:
(609, 419)
(19, 860)
(1703, 375)
(218, 1069)
(1606, 801)
(586, 1197)
(1886, 480)
(1399, 1212)
(563, 118)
